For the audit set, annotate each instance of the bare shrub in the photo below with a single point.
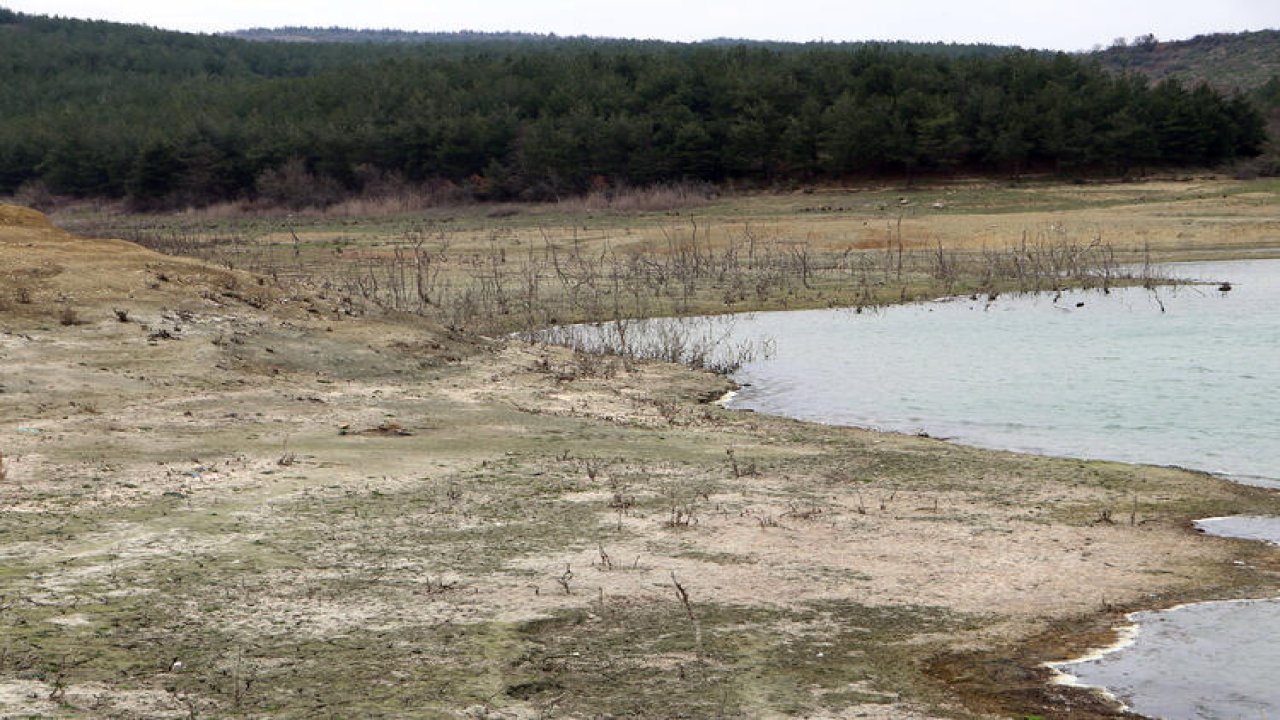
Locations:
(593, 466)
(652, 198)
(36, 195)
(294, 186)
(68, 316)
(682, 506)
(681, 516)
(703, 343)
(564, 578)
(687, 604)
(740, 469)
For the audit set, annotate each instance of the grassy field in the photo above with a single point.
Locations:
(864, 217)
(261, 493)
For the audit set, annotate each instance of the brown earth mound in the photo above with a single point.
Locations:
(48, 276)
(16, 216)
(46, 272)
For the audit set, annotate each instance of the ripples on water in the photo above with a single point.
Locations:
(1211, 660)
(1185, 376)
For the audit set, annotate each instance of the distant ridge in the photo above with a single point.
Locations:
(1226, 61)
(300, 34)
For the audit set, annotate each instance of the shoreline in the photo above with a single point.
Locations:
(1128, 636)
(302, 462)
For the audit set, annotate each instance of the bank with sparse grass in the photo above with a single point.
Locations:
(265, 494)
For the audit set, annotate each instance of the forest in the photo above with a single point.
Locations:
(165, 119)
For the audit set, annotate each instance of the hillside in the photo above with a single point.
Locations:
(182, 120)
(294, 34)
(1227, 61)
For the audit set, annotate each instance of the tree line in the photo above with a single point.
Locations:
(169, 119)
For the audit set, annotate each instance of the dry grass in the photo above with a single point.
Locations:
(655, 198)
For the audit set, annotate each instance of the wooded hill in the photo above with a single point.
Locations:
(376, 37)
(1243, 61)
(164, 118)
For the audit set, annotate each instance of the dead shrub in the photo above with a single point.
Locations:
(294, 186)
(35, 194)
(652, 198)
(68, 317)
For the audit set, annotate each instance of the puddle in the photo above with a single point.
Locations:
(1264, 529)
(1195, 662)
(1210, 660)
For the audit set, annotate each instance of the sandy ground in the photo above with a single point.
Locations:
(238, 500)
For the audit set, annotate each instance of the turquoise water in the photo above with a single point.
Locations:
(1186, 376)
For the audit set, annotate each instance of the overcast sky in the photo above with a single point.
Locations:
(1063, 25)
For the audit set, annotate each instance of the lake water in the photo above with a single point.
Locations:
(1186, 376)
(1208, 661)
(1262, 529)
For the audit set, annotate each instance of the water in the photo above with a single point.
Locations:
(1211, 660)
(1187, 376)
(1262, 529)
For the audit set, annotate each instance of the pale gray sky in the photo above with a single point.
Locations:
(1069, 25)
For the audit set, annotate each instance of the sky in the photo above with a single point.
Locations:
(1041, 24)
